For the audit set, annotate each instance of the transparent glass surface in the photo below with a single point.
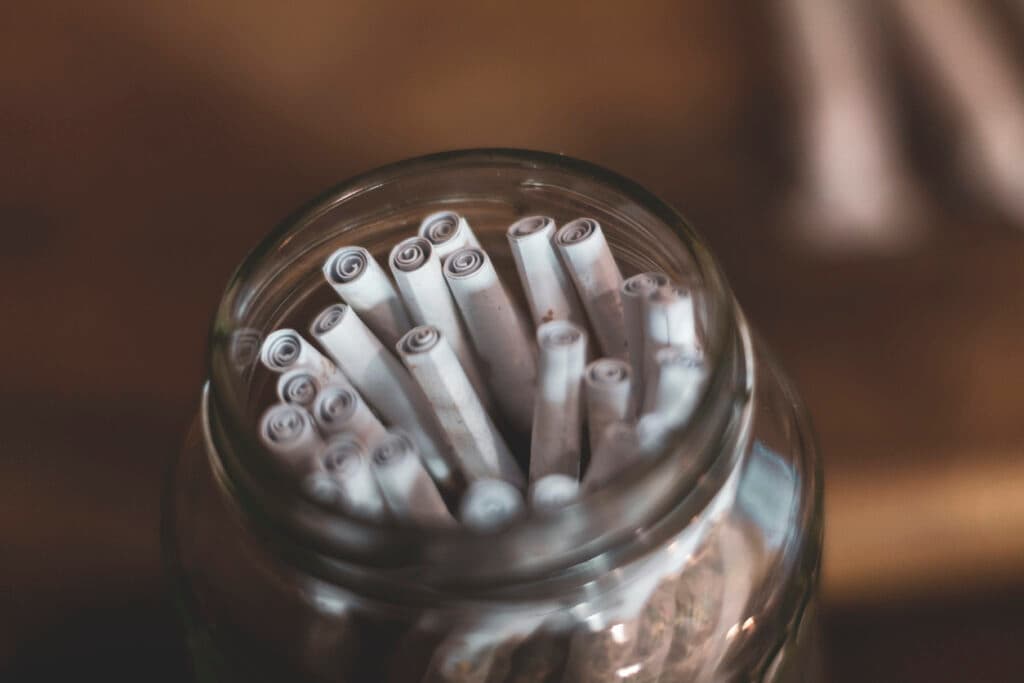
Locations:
(700, 565)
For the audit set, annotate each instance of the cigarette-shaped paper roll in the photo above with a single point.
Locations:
(288, 433)
(608, 387)
(339, 409)
(618, 448)
(490, 504)
(448, 232)
(635, 291)
(597, 279)
(285, 349)
(553, 492)
(669, 320)
(558, 414)
(549, 289)
(498, 331)
(409, 492)
(362, 284)
(417, 270)
(674, 386)
(298, 386)
(478, 446)
(381, 381)
(345, 480)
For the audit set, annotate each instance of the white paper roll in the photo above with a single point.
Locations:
(362, 284)
(298, 386)
(490, 504)
(409, 492)
(618, 447)
(669, 320)
(382, 382)
(287, 431)
(548, 287)
(417, 270)
(345, 462)
(339, 409)
(448, 232)
(597, 279)
(608, 387)
(553, 491)
(285, 349)
(635, 291)
(674, 388)
(477, 444)
(558, 414)
(498, 331)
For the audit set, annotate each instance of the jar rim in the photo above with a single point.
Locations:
(340, 548)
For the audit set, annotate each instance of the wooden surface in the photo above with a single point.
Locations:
(146, 148)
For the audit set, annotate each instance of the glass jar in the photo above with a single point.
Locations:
(699, 564)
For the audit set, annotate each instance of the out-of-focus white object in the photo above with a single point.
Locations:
(299, 386)
(608, 387)
(410, 493)
(558, 413)
(490, 504)
(288, 433)
(553, 491)
(338, 409)
(962, 54)
(856, 192)
(344, 479)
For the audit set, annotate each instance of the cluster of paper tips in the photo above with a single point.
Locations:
(402, 401)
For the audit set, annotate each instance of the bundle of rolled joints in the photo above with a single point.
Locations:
(408, 401)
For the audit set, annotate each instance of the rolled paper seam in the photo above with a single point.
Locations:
(285, 349)
(498, 331)
(558, 414)
(360, 281)
(417, 270)
(478, 446)
(409, 492)
(608, 387)
(618, 448)
(346, 460)
(635, 290)
(553, 491)
(448, 232)
(674, 386)
(339, 409)
(548, 287)
(299, 386)
(597, 279)
(490, 504)
(382, 382)
(287, 431)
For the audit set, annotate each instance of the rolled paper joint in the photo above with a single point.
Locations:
(285, 349)
(299, 386)
(360, 281)
(287, 431)
(448, 232)
(421, 282)
(597, 279)
(490, 504)
(478, 446)
(553, 491)
(608, 385)
(339, 409)
(382, 381)
(498, 331)
(548, 287)
(409, 492)
(558, 415)
(635, 291)
(346, 462)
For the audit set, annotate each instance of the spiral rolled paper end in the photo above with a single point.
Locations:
(420, 339)
(328, 319)
(441, 227)
(284, 424)
(643, 284)
(607, 372)
(411, 254)
(490, 504)
(577, 231)
(298, 386)
(465, 262)
(346, 265)
(335, 405)
(345, 456)
(281, 349)
(394, 449)
(531, 225)
(559, 334)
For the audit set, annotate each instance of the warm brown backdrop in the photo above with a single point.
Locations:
(145, 147)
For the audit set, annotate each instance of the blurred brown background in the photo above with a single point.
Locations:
(145, 147)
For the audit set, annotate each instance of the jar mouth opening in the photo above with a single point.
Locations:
(269, 284)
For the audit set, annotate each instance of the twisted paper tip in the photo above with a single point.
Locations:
(441, 227)
(465, 262)
(336, 405)
(531, 225)
(281, 349)
(420, 339)
(577, 231)
(329, 318)
(346, 264)
(608, 371)
(411, 254)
